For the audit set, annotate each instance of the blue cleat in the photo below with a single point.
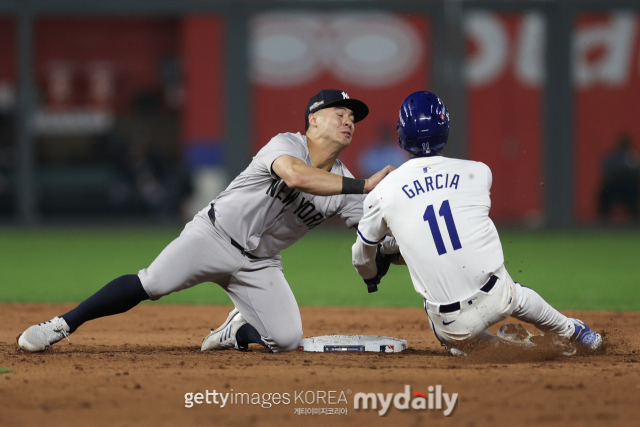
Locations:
(585, 336)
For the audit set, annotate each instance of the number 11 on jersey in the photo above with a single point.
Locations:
(445, 211)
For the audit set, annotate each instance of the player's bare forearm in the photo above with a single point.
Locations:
(308, 179)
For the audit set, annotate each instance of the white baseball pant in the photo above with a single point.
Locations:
(484, 309)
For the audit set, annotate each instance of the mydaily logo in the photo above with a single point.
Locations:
(433, 400)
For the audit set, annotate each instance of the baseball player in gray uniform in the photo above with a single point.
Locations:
(293, 184)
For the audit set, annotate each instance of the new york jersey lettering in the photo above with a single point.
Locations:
(307, 212)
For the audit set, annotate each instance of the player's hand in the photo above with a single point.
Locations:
(370, 184)
(389, 245)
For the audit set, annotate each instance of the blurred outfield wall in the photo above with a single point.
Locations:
(103, 79)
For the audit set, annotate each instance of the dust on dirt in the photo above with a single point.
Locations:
(135, 369)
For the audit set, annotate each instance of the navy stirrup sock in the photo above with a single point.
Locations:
(248, 334)
(117, 296)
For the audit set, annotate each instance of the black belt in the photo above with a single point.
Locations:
(450, 308)
(212, 217)
(242, 250)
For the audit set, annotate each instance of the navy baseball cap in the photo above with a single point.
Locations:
(333, 98)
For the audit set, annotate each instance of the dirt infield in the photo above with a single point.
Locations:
(135, 369)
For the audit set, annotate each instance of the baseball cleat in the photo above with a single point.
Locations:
(39, 337)
(225, 336)
(585, 336)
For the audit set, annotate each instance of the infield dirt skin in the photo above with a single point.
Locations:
(134, 369)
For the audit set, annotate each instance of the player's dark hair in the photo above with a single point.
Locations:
(306, 124)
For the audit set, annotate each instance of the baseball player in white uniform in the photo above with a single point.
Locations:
(292, 185)
(437, 210)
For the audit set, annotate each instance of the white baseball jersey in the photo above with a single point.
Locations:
(438, 210)
(265, 216)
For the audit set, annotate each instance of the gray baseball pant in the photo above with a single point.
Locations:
(258, 288)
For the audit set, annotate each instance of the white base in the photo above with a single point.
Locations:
(348, 343)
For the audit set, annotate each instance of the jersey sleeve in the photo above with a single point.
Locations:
(280, 145)
(372, 227)
(351, 212)
(489, 178)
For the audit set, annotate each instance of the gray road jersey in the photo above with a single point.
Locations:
(265, 216)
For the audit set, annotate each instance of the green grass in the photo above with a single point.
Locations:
(572, 270)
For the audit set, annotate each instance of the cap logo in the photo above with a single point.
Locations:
(316, 105)
(344, 95)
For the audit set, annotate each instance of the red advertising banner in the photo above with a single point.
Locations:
(117, 56)
(202, 59)
(294, 56)
(607, 110)
(504, 74)
(378, 58)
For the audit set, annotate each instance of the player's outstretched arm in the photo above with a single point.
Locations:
(308, 179)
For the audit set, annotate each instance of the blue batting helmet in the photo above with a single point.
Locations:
(423, 127)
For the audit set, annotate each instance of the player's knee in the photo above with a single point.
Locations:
(152, 284)
(287, 340)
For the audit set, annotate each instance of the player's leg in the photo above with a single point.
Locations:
(198, 255)
(532, 308)
(268, 311)
(472, 318)
(192, 258)
(117, 296)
